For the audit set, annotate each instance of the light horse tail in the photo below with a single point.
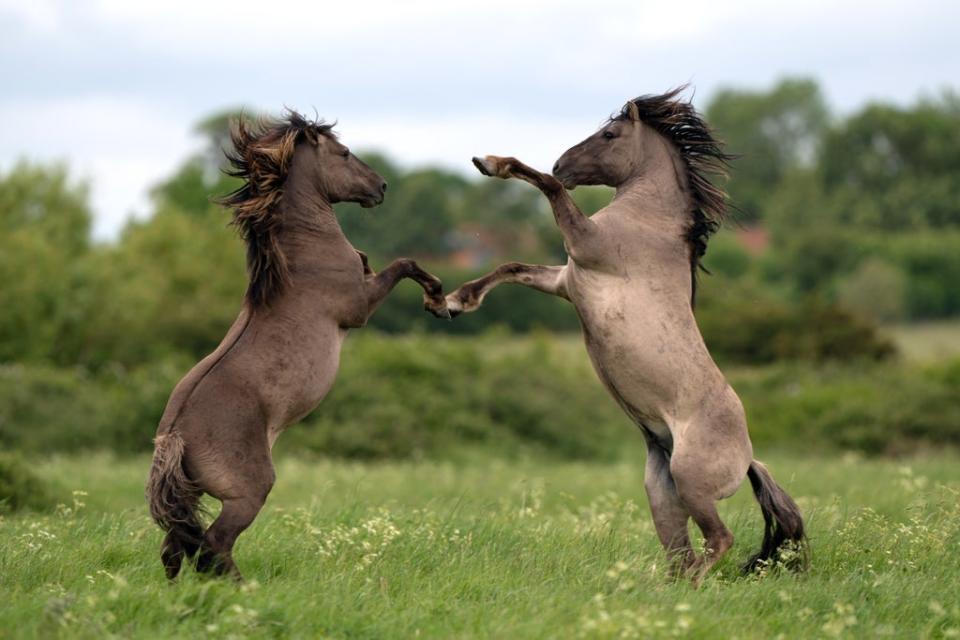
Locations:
(782, 523)
(174, 502)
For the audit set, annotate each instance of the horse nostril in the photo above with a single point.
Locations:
(556, 167)
(383, 187)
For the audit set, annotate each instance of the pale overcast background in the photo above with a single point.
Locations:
(114, 87)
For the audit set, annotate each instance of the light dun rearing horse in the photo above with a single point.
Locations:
(307, 287)
(631, 275)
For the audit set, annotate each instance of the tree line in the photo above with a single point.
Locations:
(859, 217)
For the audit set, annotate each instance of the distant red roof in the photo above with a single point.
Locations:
(755, 240)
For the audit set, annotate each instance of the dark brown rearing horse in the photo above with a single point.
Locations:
(630, 275)
(308, 286)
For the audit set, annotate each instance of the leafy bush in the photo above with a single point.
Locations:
(419, 396)
(875, 290)
(746, 324)
(727, 257)
(931, 262)
(45, 409)
(20, 488)
(923, 265)
(889, 409)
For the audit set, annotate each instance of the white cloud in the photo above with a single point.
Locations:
(42, 16)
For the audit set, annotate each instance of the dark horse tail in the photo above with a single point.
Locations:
(174, 502)
(782, 523)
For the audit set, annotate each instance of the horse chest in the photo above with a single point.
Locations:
(337, 293)
(629, 340)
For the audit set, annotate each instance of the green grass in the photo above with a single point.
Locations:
(485, 548)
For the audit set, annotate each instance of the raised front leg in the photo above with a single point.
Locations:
(381, 284)
(470, 295)
(574, 225)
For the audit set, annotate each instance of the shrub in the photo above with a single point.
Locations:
(420, 396)
(875, 290)
(889, 409)
(427, 396)
(726, 256)
(746, 324)
(20, 488)
(46, 409)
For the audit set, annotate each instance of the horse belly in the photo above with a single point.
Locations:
(630, 374)
(315, 387)
(630, 351)
(293, 378)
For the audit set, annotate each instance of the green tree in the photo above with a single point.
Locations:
(201, 177)
(772, 132)
(42, 199)
(173, 283)
(416, 218)
(44, 253)
(896, 168)
(875, 290)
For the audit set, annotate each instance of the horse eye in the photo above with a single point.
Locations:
(609, 135)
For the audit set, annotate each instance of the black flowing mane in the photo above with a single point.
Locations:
(702, 154)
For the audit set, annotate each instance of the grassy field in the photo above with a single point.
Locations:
(484, 548)
(928, 340)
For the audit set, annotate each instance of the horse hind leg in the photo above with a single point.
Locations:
(718, 538)
(700, 485)
(670, 516)
(182, 543)
(242, 490)
(216, 551)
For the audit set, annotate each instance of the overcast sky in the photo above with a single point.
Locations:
(114, 87)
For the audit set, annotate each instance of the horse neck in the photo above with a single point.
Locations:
(657, 192)
(309, 225)
(656, 204)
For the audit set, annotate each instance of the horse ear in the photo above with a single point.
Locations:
(632, 110)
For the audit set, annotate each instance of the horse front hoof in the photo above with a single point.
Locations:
(482, 166)
(437, 308)
(454, 305)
